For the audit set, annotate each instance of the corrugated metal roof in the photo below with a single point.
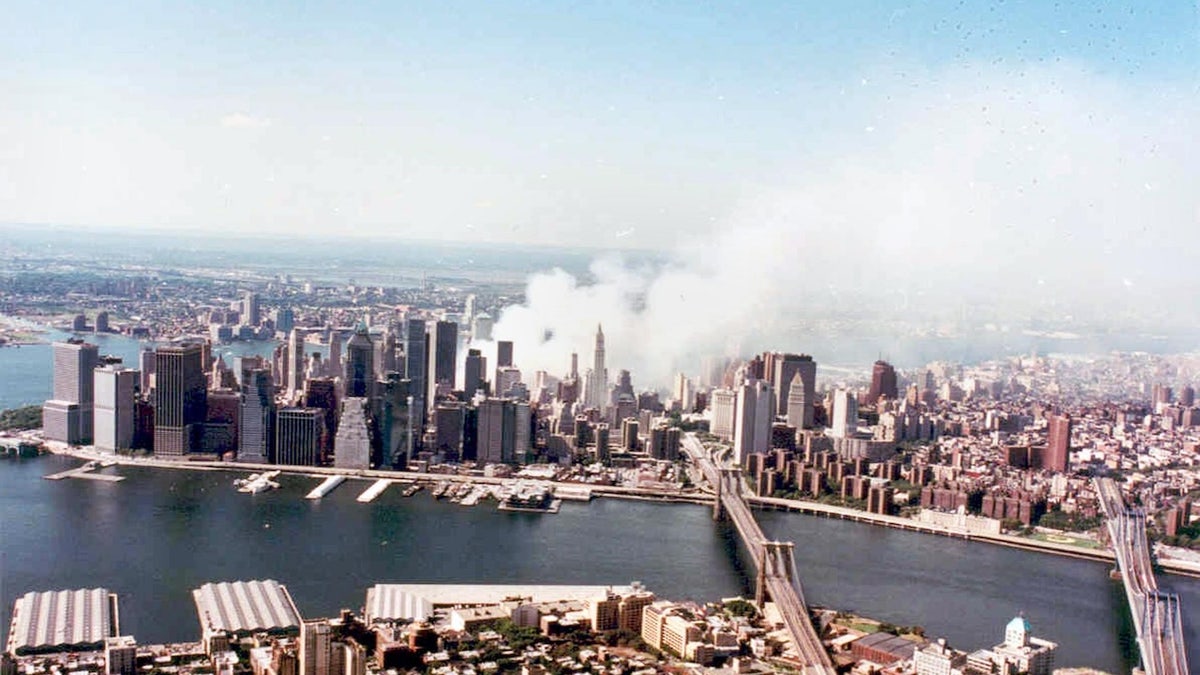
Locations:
(245, 607)
(387, 602)
(61, 621)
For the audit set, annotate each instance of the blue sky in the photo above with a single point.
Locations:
(605, 124)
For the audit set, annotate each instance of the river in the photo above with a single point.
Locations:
(160, 533)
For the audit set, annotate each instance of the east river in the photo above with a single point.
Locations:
(160, 533)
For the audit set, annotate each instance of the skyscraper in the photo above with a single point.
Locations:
(257, 416)
(497, 440)
(504, 353)
(782, 372)
(115, 387)
(298, 434)
(180, 398)
(883, 383)
(360, 364)
(597, 395)
(844, 422)
(414, 368)
(352, 445)
(68, 417)
(723, 403)
(752, 420)
(1058, 442)
(250, 311)
(798, 407)
(442, 357)
(474, 369)
(295, 363)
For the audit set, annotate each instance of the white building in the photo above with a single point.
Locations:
(723, 403)
(114, 419)
(844, 418)
(752, 421)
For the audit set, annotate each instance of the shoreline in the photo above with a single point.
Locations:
(1170, 566)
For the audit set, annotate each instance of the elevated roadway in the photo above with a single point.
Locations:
(1157, 619)
(774, 561)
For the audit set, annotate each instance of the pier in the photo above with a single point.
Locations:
(85, 472)
(326, 487)
(374, 491)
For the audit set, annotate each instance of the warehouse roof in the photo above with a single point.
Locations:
(57, 621)
(244, 607)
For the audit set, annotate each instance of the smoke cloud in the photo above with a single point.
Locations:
(1047, 190)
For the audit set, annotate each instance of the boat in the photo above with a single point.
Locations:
(441, 490)
(530, 497)
(411, 490)
(257, 482)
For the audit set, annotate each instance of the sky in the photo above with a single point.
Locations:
(789, 160)
(609, 124)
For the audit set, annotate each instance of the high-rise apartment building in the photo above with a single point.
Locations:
(69, 416)
(180, 398)
(883, 383)
(1058, 443)
(752, 421)
(115, 391)
(316, 641)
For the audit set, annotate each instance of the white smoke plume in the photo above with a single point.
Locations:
(1011, 188)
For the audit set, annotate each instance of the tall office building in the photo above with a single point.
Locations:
(415, 358)
(723, 403)
(1187, 396)
(844, 417)
(782, 372)
(797, 405)
(497, 441)
(250, 312)
(385, 361)
(504, 353)
(146, 365)
(1058, 442)
(352, 445)
(449, 419)
(443, 354)
(474, 369)
(359, 377)
(333, 361)
(506, 378)
(684, 393)
(752, 420)
(69, 416)
(115, 390)
(298, 433)
(597, 394)
(295, 363)
(180, 398)
(883, 383)
(257, 415)
(392, 405)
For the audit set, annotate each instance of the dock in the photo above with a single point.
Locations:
(326, 487)
(374, 491)
(85, 471)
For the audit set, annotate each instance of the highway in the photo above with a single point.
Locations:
(774, 561)
(1157, 617)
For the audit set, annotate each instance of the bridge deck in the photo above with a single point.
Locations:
(774, 561)
(1157, 620)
